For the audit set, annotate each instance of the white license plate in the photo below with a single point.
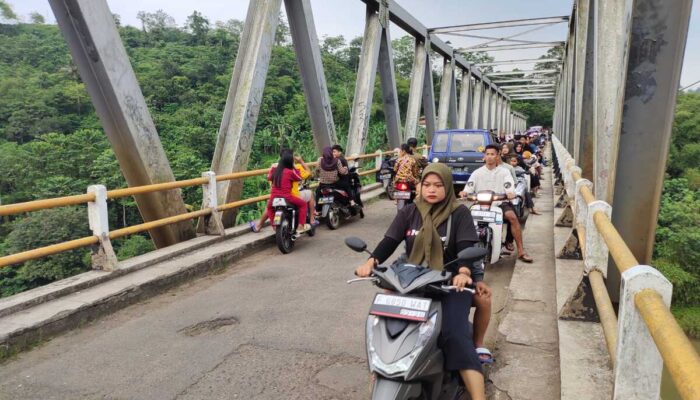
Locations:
(279, 202)
(402, 195)
(385, 176)
(403, 307)
(487, 216)
(325, 200)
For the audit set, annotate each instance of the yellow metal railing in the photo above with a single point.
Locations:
(43, 204)
(678, 353)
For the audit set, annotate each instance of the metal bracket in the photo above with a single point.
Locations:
(596, 248)
(638, 363)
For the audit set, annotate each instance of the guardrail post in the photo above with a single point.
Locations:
(213, 225)
(103, 256)
(425, 150)
(596, 248)
(378, 159)
(638, 361)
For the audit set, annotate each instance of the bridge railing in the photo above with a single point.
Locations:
(97, 196)
(646, 332)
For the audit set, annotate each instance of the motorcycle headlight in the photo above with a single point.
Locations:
(435, 159)
(425, 332)
(484, 197)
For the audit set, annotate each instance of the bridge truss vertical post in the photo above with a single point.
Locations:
(428, 99)
(465, 100)
(308, 54)
(415, 93)
(487, 106)
(104, 66)
(497, 115)
(659, 30)
(478, 104)
(446, 88)
(388, 81)
(364, 86)
(452, 108)
(235, 139)
(585, 53)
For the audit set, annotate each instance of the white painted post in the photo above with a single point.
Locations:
(213, 224)
(103, 256)
(581, 205)
(638, 364)
(426, 148)
(379, 159)
(596, 248)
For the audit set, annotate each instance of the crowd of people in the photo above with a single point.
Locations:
(423, 228)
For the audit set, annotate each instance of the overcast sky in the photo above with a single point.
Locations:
(346, 18)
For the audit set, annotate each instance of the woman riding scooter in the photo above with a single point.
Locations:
(282, 177)
(422, 225)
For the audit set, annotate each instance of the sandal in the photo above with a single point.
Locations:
(525, 258)
(510, 247)
(535, 212)
(484, 355)
(253, 226)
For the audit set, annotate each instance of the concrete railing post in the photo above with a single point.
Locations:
(425, 151)
(213, 225)
(378, 159)
(580, 202)
(638, 364)
(103, 256)
(596, 248)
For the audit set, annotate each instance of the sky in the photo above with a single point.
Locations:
(346, 18)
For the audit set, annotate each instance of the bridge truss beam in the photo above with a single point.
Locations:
(104, 66)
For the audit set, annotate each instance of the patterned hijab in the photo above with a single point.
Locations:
(328, 162)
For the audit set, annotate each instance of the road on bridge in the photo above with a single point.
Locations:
(271, 326)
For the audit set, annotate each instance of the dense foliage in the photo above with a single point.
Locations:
(52, 143)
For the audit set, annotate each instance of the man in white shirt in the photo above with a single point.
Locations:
(493, 176)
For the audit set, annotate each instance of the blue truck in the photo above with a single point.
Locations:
(461, 149)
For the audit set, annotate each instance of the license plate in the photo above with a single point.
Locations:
(278, 217)
(402, 307)
(325, 200)
(385, 176)
(402, 195)
(486, 216)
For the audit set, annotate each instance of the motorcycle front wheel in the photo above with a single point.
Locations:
(283, 237)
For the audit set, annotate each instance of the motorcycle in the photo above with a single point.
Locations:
(285, 223)
(334, 203)
(488, 220)
(522, 187)
(386, 174)
(403, 327)
(403, 194)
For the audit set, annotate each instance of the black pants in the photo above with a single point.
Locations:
(456, 337)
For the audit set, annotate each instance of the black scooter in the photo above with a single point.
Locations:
(335, 204)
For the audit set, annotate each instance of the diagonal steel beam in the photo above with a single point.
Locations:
(500, 24)
(541, 85)
(528, 61)
(510, 47)
(541, 80)
(532, 71)
(98, 52)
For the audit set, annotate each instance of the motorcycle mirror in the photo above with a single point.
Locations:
(356, 244)
(472, 254)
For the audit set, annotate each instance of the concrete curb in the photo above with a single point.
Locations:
(42, 314)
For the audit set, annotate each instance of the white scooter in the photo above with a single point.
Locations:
(488, 218)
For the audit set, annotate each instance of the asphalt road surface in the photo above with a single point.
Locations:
(272, 326)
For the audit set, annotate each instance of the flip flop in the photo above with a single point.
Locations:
(251, 224)
(510, 247)
(525, 258)
(485, 356)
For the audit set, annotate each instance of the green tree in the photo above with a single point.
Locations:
(6, 11)
(37, 18)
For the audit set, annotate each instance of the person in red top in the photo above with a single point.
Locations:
(282, 177)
